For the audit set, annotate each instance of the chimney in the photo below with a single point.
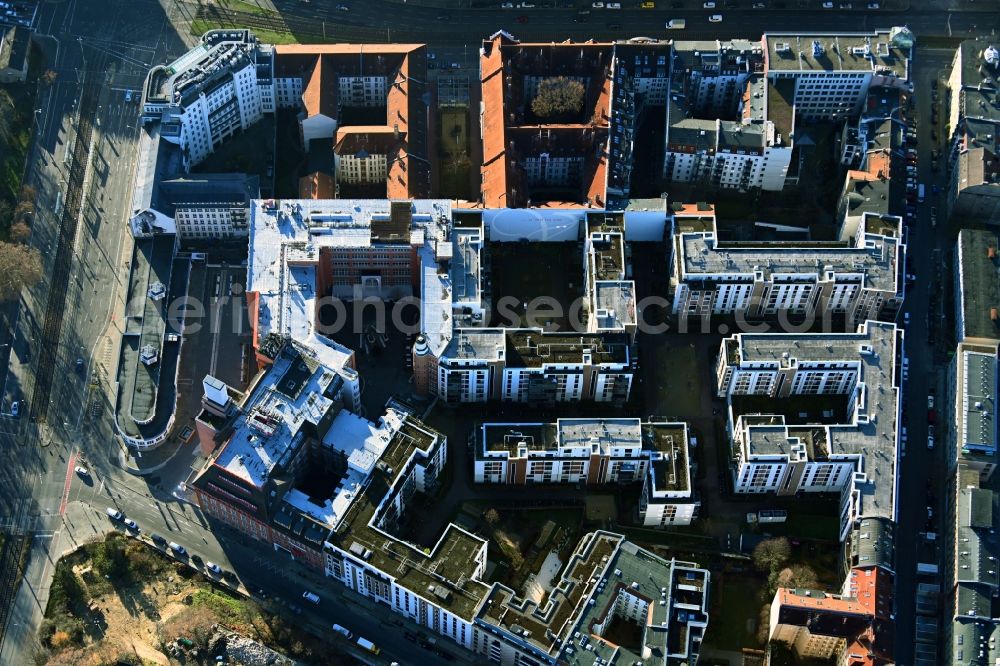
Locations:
(991, 252)
(994, 314)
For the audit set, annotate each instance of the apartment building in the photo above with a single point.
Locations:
(370, 101)
(469, 352)
(974, 116)
(585, 157)
(854, 627)
(854, 280)
(720, 128)
(595, 452)
(221, 86)
(606, 580)
(856, 456)
(296, 470)
(972, 512)
(977, 285)
(531, 365)
(830, 74)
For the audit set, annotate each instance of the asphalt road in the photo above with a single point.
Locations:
(382, 20)
(927, 253)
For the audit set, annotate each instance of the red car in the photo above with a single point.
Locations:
(522, 19)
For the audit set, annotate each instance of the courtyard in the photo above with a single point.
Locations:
(536, 284)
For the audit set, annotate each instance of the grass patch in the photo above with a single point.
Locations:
(248, 7)
(453, 152)
(231, 611)
(735, 608)
(821, 527)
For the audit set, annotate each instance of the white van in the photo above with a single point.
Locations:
(676, 24)
(309, 596)
(343, 631)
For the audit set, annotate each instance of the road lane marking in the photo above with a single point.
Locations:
(69, 481)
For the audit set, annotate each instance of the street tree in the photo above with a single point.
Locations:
(20, 232)
(557, 97)
(20, 267)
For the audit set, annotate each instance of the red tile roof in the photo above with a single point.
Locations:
(506, 140)
(317, 185)
(320, 65)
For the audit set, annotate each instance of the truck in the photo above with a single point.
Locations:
(368, 645)
(676, 24)
(920, 193)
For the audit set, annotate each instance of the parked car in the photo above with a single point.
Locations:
(715, 18)
(114, 514)
(81, 470)
(178, 549)
(131, 524)
(213, 568)
(15, 408)
(930, 401)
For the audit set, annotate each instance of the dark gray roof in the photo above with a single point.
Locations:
(872, 543)
(737, 136)
(207, 189)
(979, 281)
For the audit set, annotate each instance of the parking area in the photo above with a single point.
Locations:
(216, 335)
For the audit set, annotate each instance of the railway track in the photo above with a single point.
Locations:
(59, 280)
(10, 575)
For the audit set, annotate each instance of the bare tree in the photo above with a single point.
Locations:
(20, 267)
(558, 96)
(798, 575)
(24, 211)
(491, 517)
(771, 554)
